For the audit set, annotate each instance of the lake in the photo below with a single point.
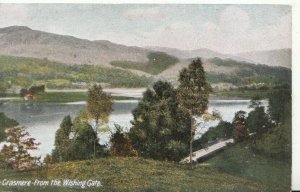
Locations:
(43, 119)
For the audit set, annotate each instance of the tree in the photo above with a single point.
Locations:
(24, 92)
(258, 121)
(4, 85)
(280, 105)
(82, 143)
(37, 89)
(160, 128)
(76, 141)
(277, 141)
(48, 160)
(240, 132)
(193, 93)
(4, 123)
(121, 144)
(16, 154)
(99, 107)
(62, 140)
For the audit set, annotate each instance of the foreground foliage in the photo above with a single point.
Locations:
(15, 154)
(240, 160)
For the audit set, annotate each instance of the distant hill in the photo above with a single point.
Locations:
(203, 53)
(115, 63)
(24, 42)
(279, 57)
(228, 73)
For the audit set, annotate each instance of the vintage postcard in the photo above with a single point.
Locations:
(145, 97)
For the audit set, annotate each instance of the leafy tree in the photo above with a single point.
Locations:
(99, 107)
(62, 140)
(121, 144)
(193, 93)
(83, 144)
(16, 154)
(76, 141)
(23, 92)
(240, 132)
(37, 89)
(277, 141)
(4, 85)
(280, 105)
(5, 122)
(258, 121)
(160, 127)
(48, 160)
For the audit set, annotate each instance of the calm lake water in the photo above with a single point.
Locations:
(42, 120)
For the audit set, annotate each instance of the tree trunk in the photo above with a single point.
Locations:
(191, 142)
(96, 131)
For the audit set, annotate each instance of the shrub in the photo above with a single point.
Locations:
(121, 144)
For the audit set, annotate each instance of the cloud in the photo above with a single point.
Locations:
(12, 14)
(153, 13)
(234, 20)
(232, 33)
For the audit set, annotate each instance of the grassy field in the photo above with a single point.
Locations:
(248, 73)
(61, 97)
(137, 174)
(249, 94)
(240, 161)
(157, 63)
(21, 71)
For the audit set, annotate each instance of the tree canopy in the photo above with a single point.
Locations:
(15, 154)
(75, 141)
(240, 132)
(6, 122)
(99, 104)
(160, 127)
(193, 90)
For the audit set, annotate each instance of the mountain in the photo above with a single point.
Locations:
(279, 57)
(52, 57)
(24, 42)
(185, 54)
(203, 53)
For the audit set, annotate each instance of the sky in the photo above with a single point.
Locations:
(224, 28)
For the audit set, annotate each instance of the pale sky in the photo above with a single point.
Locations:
(222, 28)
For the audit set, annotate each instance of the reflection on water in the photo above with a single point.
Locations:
(42, 120)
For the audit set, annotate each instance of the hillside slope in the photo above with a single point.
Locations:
(138, 174)
(280, 57)
(234, 73)
(24, 42)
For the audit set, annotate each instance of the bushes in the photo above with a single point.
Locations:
(277, 141)
(121, 144)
